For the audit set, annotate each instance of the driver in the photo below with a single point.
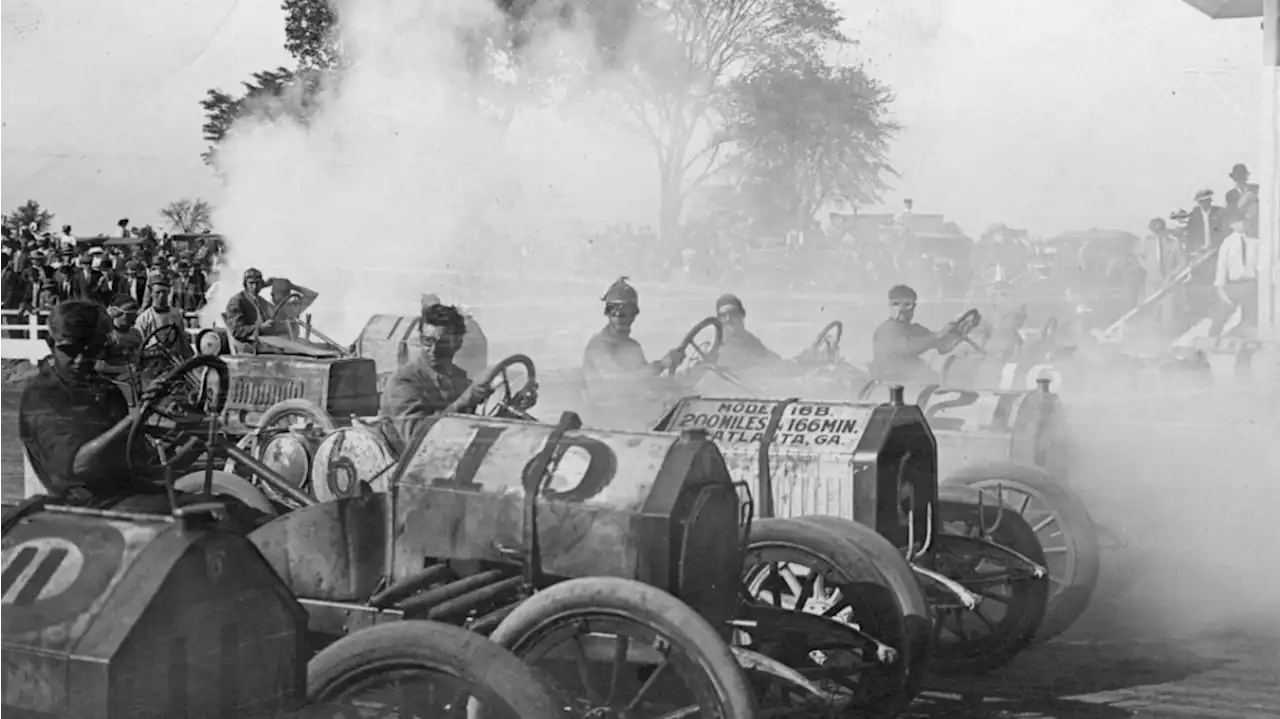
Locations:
(74, 423)
(125, 340)
(292, 301)
(249, 316)
(612, 356)
(432, 382)
(898, 342)
(161, 314)
(739, 349)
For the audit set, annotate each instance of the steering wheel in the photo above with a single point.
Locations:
(513, 405)
(826, 348)
(961, 328)
(177, 411)
(156, 351)
(703, 353)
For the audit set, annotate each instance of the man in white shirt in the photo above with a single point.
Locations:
(1236, 280)
(66, 239)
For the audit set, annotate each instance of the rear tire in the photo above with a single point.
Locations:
(1025, 608)
(1068, 536)
(505, 685)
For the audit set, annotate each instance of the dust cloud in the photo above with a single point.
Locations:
(1188, 477)
(407, 179)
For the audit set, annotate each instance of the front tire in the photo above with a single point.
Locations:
(840, 583)
(356, 668)
(695, 667)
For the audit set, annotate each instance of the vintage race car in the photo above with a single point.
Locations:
(632, 544)
(118, 614)
(305, 377)
(1009, 444)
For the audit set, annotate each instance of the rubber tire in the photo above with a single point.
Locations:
(648, 605)
(292, 406)
(227, 485)
(434, 645)
(1014, 533)
(1078, 530)
(876, 599)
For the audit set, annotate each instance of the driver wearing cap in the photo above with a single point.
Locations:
(432, 382)
(740, 348)
(161, 314)
(249, 316)
(72, 420)
(898, 342)
(612, 353)
(74, 424)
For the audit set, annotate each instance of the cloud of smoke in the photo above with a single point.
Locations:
(1188, 476)
(407, 177)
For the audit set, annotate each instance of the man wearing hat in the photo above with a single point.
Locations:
(74, 424)
(160, 313)
(36, 275)
(135, 282)
(616, 376)
(739, 349)
(47, 295)
(1242, 199)
(125, 340)
(1206, 227)
(193, 285)
(83, 283)
(898, 342)
(248, 315)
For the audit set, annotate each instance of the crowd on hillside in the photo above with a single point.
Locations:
(42, 269)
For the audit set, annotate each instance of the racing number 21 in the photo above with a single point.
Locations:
(936, 401)
(602, 465)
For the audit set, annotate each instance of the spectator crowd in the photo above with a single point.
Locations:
(41, 269)
(1219, 246)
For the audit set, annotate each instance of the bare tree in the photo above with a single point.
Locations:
(188, 216)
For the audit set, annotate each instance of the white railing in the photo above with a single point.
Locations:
(22, 334)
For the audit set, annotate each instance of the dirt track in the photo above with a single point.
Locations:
(1112, 664)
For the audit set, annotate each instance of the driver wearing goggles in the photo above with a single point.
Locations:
(432, 382)
(617, 378)
(898, 342)
(74, 424)
(73, 421)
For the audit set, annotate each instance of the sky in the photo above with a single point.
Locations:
(1050, 115)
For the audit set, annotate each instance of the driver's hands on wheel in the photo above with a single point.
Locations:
(671, 360)
(526, 398)
(475, 395)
